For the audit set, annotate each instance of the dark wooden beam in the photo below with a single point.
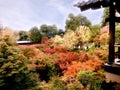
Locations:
(117, 19)
(111, 32)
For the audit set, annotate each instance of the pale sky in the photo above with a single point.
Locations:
(24, 14)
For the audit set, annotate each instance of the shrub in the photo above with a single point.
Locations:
(97, 83)
(45, 66)
(49, 50)
(30, 51)
(61, 49)
(58, 85)
(85, 77)
(71, 63)
(102, 54)
(91, 78)
(66, 59)
(72, 83)
(14, 74)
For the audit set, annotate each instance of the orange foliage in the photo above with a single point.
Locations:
(60, 49)
(46, 40)
(30, 49)
(103, 54)
(71, 63)
(49, 50)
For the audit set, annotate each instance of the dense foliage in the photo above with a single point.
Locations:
(73, 38)
(70, 60)
(48, 30)
(75, 21)
(35, 35)
(92, 79)
(71, 63)
(23, 35)
(14, 74)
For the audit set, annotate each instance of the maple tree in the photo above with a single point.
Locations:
(71, 63)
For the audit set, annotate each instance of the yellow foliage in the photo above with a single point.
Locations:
(58, 40)
(84, 32)
(69, 40)
(72, 38)
(8, 35)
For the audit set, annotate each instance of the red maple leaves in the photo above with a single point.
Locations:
(71, 63)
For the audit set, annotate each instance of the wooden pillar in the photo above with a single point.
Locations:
(111, 32)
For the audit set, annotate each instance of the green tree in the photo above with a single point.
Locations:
(61, 32)
(23, 35)
(35, 35)
(73, 22)
(95, 31)
(93, 79)
(14, 74)
(58, 85)
(48, 30)
(105, 16)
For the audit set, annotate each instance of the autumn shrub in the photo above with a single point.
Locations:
(75, 87)
(71, 82)
(101, 53)
(58, 40)
(84, 32)
(28, 52)
(45, 66)
(49, 50)
(72, 69)
(71, 63)
(44, 39)
(61, 49)
(69, 40)
(31, 52)
(47, 41)
(14, 73)
(58, 85)
(66, 59)
(46, 45)
(92, 79)
(9, 36)
(43, 46)
(41, 61)
(85, 77)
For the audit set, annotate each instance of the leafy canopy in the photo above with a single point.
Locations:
(73, 22)
(35, 35)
